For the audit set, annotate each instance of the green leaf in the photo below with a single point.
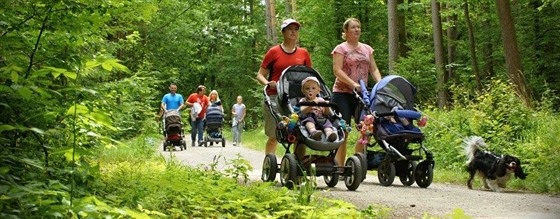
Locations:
(80, 110)
(15, 76)
(68, 155)
(107, 66)
(40, 91)
(24, 91)
(6, 127)
(92, 64)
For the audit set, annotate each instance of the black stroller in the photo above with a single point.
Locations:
(391, 102)
(213, 125)
(290, 131)
(173, 130)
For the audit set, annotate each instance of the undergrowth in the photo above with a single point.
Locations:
(168, 188)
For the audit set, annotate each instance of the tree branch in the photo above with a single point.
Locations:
(28, 72)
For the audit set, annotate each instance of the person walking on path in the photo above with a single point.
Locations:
(352, 61)
(198, 102)
(275, 60)
(238, 111)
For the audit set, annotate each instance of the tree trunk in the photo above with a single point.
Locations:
(271, 22)
(403, 48)
(472, 46)
(290, 7)
(452, 36)
(438, 48)
(393, 34)
(511, 52)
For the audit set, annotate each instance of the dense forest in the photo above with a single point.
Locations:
(79, 76)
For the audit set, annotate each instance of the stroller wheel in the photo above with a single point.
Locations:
(363, 161)
(353, 181)
(223, 142)
(424, 174)
(211, 143)
(386, 173)
(407, 177)
(288, 171)
(164, 146)
(269, 169)
(332, 180)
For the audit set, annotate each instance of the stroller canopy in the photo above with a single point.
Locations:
(289, 84)
(392, 91)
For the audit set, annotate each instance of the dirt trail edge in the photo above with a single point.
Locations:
(405, 201)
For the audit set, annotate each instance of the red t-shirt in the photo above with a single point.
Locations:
(203, 101)
(276, 60)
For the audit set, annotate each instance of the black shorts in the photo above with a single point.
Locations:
(348, 105)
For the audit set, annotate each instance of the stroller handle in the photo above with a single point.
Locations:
(334, 106)
(410, 114)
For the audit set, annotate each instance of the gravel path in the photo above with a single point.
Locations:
(438, 199)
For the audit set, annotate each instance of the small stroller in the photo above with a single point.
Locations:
(213, 125)
(290, 131)
(173, 130)
(391, 102)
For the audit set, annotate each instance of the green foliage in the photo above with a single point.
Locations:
(152, 183)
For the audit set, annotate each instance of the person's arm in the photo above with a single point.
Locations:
(338, 60)
(188, 103)
(374, 71)
(243, 113)
(163, 106)
(182, 104)
(262, 76)
(304, 110)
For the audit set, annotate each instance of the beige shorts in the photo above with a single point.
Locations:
(269, 122)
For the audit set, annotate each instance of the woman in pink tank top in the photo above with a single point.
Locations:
(352, 61)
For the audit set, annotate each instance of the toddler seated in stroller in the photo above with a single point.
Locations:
(315, 117)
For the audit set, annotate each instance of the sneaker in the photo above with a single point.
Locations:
(234, 144)
(317, 135)
(200, 143)
(332, 137)
(192, 144)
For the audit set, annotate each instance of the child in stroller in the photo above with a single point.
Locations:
(213, 125)
(173, 130)
(313, 117)
(291, 130)
(391, 103)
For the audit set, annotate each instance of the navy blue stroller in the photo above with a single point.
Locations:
(214, 124)
(391, 102)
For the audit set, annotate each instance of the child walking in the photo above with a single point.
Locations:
(238, 111)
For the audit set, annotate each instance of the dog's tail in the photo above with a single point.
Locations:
(472, 144)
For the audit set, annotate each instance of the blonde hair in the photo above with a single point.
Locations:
(214, 92)
(346, 24)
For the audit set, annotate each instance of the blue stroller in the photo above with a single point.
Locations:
(391, 102)
(214, 124)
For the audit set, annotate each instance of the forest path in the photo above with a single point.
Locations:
(438, 199)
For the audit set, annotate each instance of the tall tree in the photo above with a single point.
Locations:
(472, 45)
(401, 18)
(393, 34)
(271, 22)
(438, 53)
(290, 7)
(511, 51)
(452, 36)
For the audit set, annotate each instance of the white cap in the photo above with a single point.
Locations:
(289, 21)
(310, 78)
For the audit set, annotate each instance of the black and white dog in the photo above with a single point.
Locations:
(495, 169)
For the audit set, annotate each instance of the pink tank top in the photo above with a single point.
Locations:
(356, 63)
